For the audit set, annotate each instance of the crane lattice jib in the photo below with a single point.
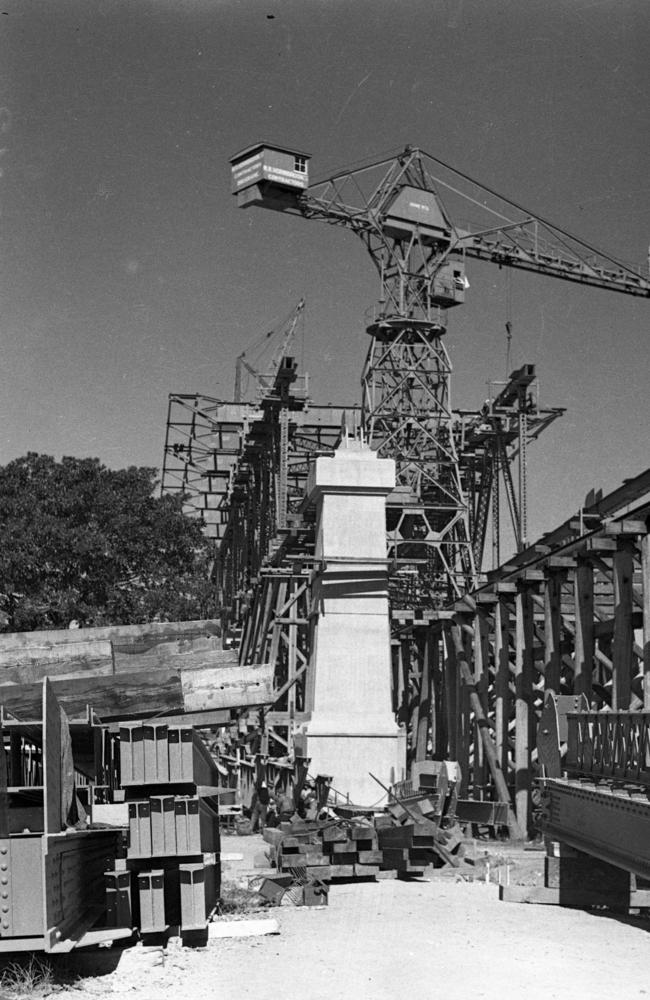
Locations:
(499, 230)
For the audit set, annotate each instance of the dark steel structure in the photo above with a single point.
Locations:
(408, 212)
(601, 788)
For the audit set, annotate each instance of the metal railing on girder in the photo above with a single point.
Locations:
(609, 745)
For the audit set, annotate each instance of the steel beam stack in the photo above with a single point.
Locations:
(171, 868)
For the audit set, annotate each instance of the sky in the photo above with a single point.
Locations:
(127, 272)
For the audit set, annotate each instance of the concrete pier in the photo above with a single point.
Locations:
(352, 730)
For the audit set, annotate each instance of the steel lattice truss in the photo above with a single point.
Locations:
(473, 221)
(204, 440)
(490, 441)
(242, 468)
(407, 416)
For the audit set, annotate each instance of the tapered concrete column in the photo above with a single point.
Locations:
(352, 730)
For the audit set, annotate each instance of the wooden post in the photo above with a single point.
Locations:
(451, 696)
(464, 718)
(424, 704)
(403, 682)
(413, 698)
(292, 637)
(396, 675)
(481, 664)
(524, 708)
(583, 591)
(502, 681)
(645, 565)
(623, 640)
(552, 629)
(438, 717)
(497, 774)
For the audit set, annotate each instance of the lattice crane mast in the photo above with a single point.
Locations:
(419, 245)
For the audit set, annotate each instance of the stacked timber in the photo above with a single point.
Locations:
(130, 671)
(418, 828)
(409, 847)
(339, 849)
(297, 846)
(353, 850)
(171, 871)
(328, 849)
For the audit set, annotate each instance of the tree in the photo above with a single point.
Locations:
(82, 542)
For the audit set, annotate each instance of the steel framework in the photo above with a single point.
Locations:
(407, 210)
(489, 442)
(601, 789)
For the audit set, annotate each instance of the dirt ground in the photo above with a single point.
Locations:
(432, 937)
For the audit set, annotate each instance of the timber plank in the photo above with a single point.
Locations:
(196, 654)
(581, 898)
(123, 636)
(151, 691)
(31, 664)
(227, 687)
(103, 659)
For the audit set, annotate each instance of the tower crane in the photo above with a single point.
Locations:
(410, 211)
(266, 379)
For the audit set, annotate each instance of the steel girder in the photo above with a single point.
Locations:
(610, 824)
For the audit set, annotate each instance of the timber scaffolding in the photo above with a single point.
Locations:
(469, 680)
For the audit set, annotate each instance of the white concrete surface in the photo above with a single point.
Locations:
(352, 730)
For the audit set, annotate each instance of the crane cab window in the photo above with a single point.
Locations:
(300, 164)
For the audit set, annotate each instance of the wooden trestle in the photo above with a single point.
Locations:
(569, 614)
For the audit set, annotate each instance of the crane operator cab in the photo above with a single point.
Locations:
(270, 176)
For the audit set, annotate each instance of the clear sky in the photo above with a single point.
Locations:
(128, 272)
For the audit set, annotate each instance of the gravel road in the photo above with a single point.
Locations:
(391, 939)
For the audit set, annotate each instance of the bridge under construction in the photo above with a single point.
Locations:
(360, 548)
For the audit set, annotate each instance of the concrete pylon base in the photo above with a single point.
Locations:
(340, 755)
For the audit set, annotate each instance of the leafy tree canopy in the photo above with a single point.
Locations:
(80, 542)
